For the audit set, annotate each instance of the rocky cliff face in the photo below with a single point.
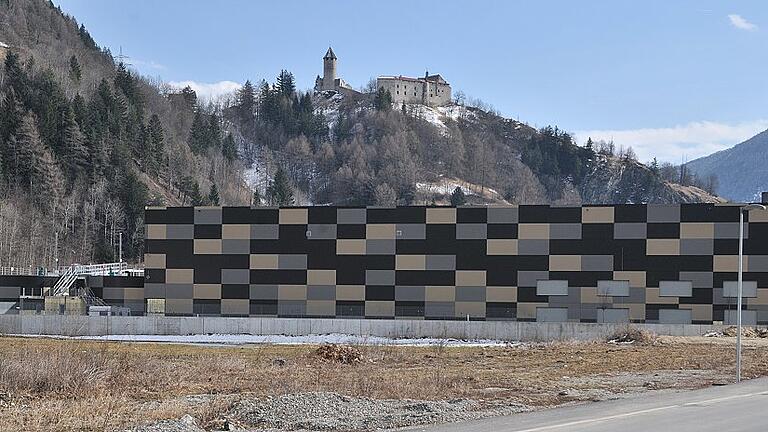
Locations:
(614, 180)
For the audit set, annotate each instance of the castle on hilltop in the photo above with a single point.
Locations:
(432, 90)
(329, 82)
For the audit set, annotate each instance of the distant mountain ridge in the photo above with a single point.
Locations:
(742, 170)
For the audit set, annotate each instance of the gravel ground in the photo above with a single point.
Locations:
(325, 411)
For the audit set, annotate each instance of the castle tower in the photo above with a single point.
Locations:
(329, 70)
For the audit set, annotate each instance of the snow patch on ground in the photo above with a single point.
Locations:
(446, 186)
(242, 339)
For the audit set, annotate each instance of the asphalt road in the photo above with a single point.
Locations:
(732, 408)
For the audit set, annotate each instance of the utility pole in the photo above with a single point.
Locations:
(120, 247)
(56, 252)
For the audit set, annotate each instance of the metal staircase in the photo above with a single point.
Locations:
(71, 274)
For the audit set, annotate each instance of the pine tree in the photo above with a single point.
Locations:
(590, 144)
(285, 84)
(47, 184)
(654, 166)
(75, 74)
(229, 148)
(457, 197)
(279, 191)
(213, 195)
(383, 100)
(75, 152)
(256, 198)
(246, 101)
(27, 148)
(195, 197)
(384, 195)
(198, 134)
(213, 133)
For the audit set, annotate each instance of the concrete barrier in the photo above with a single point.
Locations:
(69, 325)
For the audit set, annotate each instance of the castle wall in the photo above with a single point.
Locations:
(413, 91)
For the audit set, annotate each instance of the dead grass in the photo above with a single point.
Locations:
(62, 385)
(632, 335)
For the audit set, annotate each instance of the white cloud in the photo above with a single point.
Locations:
(208, 91)
(689, 141)
(741, 23)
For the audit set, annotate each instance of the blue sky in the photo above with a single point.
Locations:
(673, 79)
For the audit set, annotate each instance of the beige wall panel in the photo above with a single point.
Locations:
(264, 261)
(321, 308)
(154, 261)
(207, 247)
(589, 296)
(597, 215)
(206, 291)
(133, 293)
(699, 312)
(663, 247)
(533, 231)
(565, 262)
(728, 263)
(293, 216)
(439, 293)
(502, 247)
(236, 231)
(652, 297)
(441, 215)
(528, 310)
(697, 230)
(350, 247)
(470, 277)
(636, 311)
(501, 294)
(380, 308)
(636, 278)
(758, 216)
(380, 231)
(350, 292)
(321, 277)
(473, 309)
(761, 299)
(179, 276)
(156, 232)
(292, 292)
(410, 262)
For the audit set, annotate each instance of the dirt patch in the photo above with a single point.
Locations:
(632, 335)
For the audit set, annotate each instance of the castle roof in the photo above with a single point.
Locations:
(330, 54)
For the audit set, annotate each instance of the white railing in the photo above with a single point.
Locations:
(18, 271)
(70, 274)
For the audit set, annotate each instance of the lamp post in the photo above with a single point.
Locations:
(743, 209)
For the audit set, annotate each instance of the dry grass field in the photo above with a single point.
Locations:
(58, 385)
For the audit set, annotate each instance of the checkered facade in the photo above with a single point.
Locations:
(638, 263)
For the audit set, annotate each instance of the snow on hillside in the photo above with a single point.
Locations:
(446, 186)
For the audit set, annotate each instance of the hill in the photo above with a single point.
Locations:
(740, 170)
(86, 143)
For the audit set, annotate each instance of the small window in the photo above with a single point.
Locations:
(398, 92)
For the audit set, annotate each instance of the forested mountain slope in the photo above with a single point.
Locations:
(86, 143)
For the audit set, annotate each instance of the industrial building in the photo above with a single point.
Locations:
(671, 264)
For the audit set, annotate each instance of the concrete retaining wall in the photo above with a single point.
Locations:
(160, 325)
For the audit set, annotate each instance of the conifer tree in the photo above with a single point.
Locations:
(198, 133)
(383, 100)
(256, 198)
(285, 84)
(457, 197)
(75, 152)
(213, 195)
(279, 191)
(246, 101)
(75, 74)
(229, 148)
(195, 197)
